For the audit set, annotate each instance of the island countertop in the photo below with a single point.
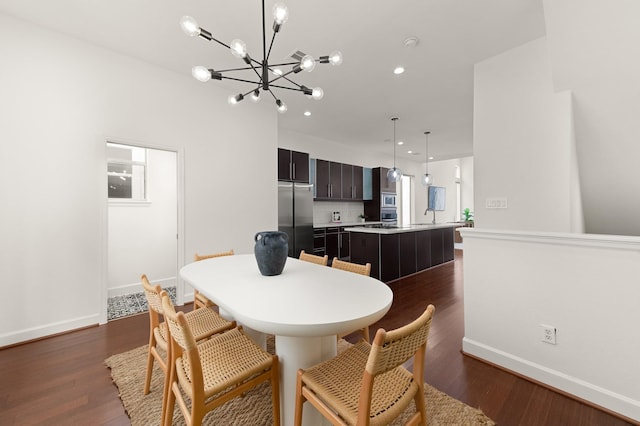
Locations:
(402, 229)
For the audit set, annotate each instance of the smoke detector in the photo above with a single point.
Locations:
(411, 41)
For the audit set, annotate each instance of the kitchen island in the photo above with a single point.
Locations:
(396, 252)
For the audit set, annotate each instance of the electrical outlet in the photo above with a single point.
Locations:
(548, 334)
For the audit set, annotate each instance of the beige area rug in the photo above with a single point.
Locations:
(128, 372)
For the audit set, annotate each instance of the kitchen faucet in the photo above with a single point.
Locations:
(433, 222)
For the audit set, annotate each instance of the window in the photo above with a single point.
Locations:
(458, 194)
(126, 172)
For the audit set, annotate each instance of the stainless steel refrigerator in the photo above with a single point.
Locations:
(295, 215)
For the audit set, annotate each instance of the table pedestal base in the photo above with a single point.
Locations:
(295, 353)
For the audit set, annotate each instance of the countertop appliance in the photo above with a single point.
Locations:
(295, 215)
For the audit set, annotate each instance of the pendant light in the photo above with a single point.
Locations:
(395, 174)
(427, 179)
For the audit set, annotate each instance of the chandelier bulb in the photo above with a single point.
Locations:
(307, 63)
(280, 13)
(201, 73)
(234, 99)
(282, 107)
(318, 93)
(238, 48)
(335, 58)
(427, 179)
(255, 96)
(189, 26)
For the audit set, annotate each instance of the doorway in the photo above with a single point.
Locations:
(406, 214)
(143, 221)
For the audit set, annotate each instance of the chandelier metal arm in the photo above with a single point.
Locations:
(297, 89)
(242, 80)
(270, 46)
(282, 65)
(235, 69)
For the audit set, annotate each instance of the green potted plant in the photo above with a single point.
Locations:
(467, 215)
(362, 217)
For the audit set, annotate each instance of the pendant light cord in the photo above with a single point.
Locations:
(426, 153)
(394, 141)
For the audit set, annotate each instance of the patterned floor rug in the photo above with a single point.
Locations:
(128, 372)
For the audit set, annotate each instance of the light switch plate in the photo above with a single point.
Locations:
(496, 203)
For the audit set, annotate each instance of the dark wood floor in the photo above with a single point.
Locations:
(63, 380)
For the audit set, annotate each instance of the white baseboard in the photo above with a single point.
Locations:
(48, 329)
(597, 395)
(136, 287)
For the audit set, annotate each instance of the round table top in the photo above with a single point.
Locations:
(305, 300)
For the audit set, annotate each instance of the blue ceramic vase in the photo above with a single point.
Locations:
(271, 251)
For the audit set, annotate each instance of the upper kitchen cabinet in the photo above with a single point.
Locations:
(352, 186)
(328, 183)
(380, 182)
(293, 166)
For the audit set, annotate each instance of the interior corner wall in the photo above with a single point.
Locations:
(522, 150)
(62, 99)
(593, 47)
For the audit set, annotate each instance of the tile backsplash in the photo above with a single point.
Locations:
(349, 211)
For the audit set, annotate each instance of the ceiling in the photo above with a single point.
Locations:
(435, 93)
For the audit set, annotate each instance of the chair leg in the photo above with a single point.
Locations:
(147, 380)
(365, 333)
(421, 406)
(167, 411)
(275, 390)
(299, 400)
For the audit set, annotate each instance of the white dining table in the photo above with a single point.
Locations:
(305, 307)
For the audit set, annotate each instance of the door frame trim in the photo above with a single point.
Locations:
(180, 240)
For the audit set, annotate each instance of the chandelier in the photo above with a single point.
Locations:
(266, 74)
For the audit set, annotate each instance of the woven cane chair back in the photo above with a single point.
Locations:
(319, 260)
(351, 267)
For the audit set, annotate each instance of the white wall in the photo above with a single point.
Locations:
(594, 52)
(142, 235)
(62, 99)
(531, 263)
(443, 175)
(523, 143)
(584, 285)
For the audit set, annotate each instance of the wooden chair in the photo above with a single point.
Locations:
(203, 322)
(367, 384)
(200, 300)
(358, 269)
(320, 260)
(215, 371)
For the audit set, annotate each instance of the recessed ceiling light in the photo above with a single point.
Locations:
(398, 70)
(430, 158)
(307, 113)
(409, 152)
(400, 143)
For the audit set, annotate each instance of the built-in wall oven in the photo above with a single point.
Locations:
(389, 215)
